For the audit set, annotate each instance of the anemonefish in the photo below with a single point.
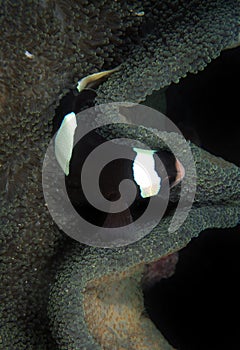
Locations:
(143, 169)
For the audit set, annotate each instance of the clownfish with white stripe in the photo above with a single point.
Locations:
(142, 169)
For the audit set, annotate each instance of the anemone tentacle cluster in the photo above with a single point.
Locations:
(46, 48)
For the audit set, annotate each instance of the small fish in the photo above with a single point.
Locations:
(93, 79)
(144, 169)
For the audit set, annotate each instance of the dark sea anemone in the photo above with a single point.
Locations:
(57, 293)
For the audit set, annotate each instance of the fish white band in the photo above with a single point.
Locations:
(144, 173)
(64, 141)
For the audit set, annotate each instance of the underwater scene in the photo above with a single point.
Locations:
(119, 175)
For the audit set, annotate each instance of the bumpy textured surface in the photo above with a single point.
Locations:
(81, 276)
(184, 37)
(46, 46)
